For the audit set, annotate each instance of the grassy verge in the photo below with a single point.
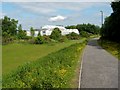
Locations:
(55, 70)
(112, 47)
(15, 54)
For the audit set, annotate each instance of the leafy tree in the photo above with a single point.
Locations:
(89, 28)
(21, 33)
(56, 34)
(9, 29)
(110, 29)
(73, 36)
(32, 31)
(84, 34)
(71, 27)
(39, 40)
(9, 26)
(39, 33)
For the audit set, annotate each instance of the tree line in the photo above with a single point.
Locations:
(85, 30)
(110, 29)
(11, 31)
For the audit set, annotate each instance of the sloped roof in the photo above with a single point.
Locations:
(52, 27)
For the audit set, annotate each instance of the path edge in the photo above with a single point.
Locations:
(80, 75)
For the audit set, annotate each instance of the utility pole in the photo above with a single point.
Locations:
(101, 18)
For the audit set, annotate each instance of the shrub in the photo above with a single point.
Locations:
(84, 34)
(46, 39)
(56, 34)
(63, 39)
(39, 40)
(7, 38)
(73, 36)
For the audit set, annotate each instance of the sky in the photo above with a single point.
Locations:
(38, 14)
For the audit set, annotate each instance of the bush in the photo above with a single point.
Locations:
(63, 39)
(73, 36)
(39, 40)
(84, 34)
(7, 38)
(56, 34)
(46, 39)
(53, 71)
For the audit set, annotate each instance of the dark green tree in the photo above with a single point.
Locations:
(32, 31)
(56, 34)
(9, 26)
(110, 29)
(88, 28)
(39, 33)
(21, 33)
(73, 36)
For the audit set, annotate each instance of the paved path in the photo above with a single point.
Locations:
(99, 68)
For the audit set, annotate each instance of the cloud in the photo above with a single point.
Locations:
(42, 7)
(57, 0)
(37, 14)
(57, 18)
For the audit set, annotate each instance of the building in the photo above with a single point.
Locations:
(47, 30)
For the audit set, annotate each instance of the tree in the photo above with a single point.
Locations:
(21, 33)
(32, 31)
(56, 34)
(110, 29)
(39, 33)
(73, 36)
(9, 26)
(9, 29)
(39, 40)
(88, 28)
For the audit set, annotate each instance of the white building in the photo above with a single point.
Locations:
(47, 30)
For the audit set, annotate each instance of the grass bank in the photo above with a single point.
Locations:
(56, 70)
(15, 54)
(112, 47)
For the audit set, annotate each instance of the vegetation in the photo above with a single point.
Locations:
(56, 34)
(110, 29)
(112, 47)
(9, 29)
(32, 32)
(16, 54)
(110, 33)
(86, 30)
(21, 33)
(52, 71)
(73, 36)
(13, 32)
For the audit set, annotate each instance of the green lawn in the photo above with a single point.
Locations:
(15, 54)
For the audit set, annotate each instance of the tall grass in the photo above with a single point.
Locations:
(112, 47)
(55, 70)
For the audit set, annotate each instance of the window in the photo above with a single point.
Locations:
(43, 32)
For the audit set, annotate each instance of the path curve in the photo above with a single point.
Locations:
(99, 68)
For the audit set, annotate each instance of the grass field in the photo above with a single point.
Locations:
(55, 70)
(111, 47)
(15, 54)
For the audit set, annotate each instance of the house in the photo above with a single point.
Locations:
(47, 30)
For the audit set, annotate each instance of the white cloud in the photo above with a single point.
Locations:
(57, 0)
(42, 12)
(52, 7)
(57, 18)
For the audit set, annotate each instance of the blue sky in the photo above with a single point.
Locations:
(37, 14)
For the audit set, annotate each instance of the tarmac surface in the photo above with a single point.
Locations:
(99, 68)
